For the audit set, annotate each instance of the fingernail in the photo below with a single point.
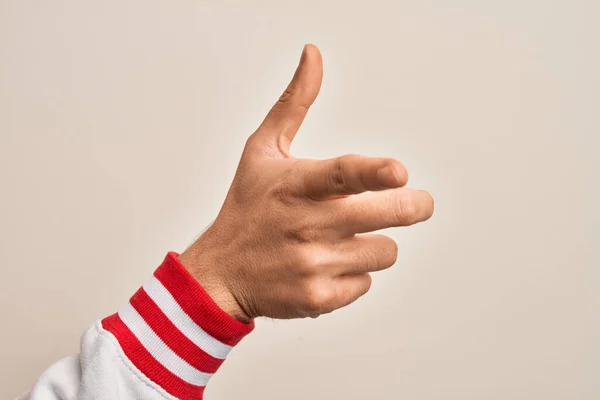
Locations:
(388, 177)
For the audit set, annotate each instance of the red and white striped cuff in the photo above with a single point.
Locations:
(174, 333)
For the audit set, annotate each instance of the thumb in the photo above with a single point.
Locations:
(286, 116)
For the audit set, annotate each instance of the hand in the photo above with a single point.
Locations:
(290, 240)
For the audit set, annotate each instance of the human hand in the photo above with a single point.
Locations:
(291, 240)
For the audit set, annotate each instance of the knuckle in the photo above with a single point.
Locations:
(286, 96)
(307, 262)
(300, 233)
(317, 298)
(339, 172)
(281, 192)
(251, 149)
(252, 140)
(297, 235)
(285, 188)
(337, 178)
(289, 101)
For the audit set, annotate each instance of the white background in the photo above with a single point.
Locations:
(121, 123)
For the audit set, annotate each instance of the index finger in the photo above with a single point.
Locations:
(350, 174)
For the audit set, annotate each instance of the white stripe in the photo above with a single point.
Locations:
(169, 306)
(160, 350)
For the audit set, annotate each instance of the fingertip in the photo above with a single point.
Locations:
(311, 49)
(431, 208)
(286, 116)
(311, 62)
(392, 175)
(428, 194)
(310, 55)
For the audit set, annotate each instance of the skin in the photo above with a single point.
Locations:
(292, 238)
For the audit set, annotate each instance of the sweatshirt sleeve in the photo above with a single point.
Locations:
(165, 343)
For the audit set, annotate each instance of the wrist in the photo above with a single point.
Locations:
(202, 263)
(173, 331)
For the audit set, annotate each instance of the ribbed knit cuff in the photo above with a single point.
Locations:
(174, 333)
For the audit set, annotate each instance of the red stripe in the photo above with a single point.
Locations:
(194, 300)
(148, 365)
(168, 332)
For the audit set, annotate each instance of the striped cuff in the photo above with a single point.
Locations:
(174, 333)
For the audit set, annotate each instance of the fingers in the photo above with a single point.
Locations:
(349, 288)
(349, 174)
(364, 253)
(286, 116)
(327, 297)
(370, 212)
